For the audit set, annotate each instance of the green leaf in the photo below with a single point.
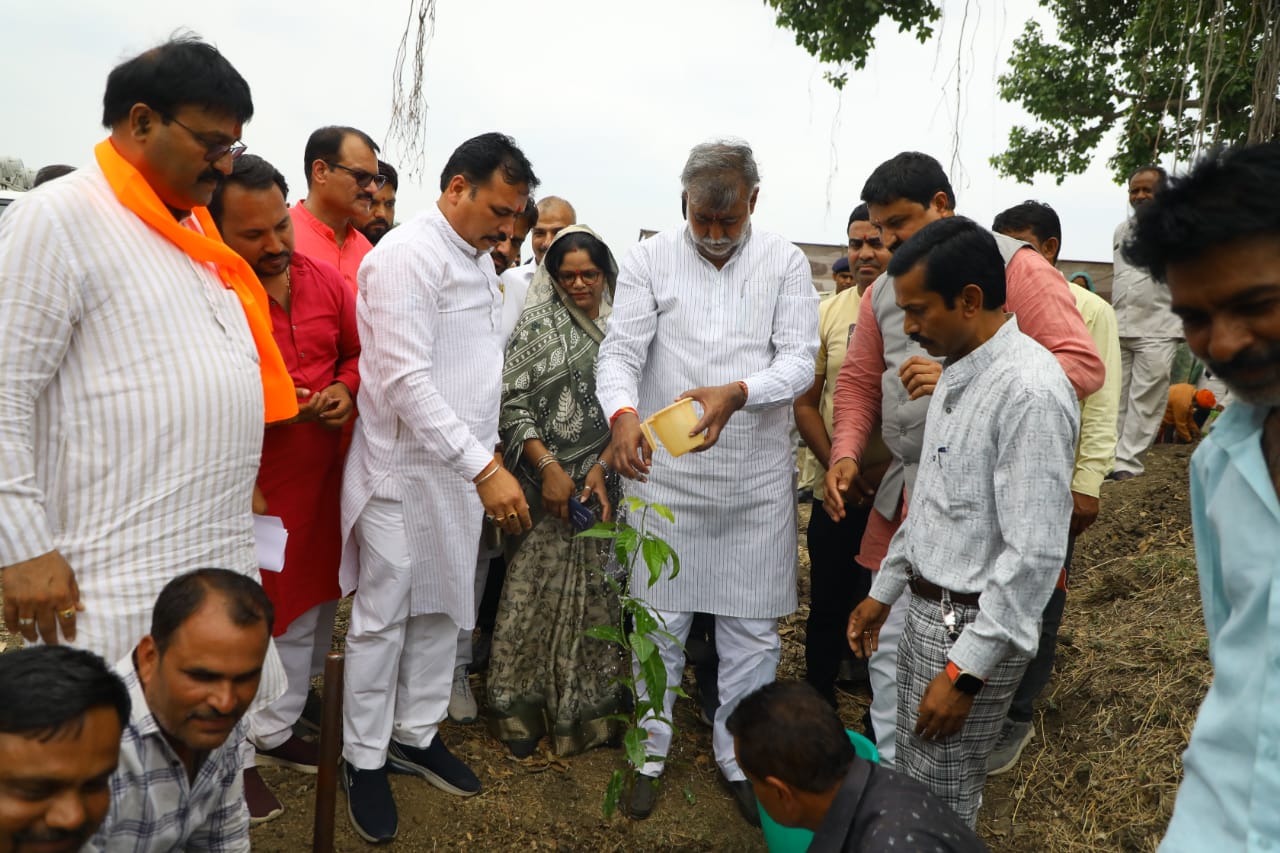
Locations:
(646, 622)
(642, 646)
(675, 565)
(655, 553)
(608, 633)
(664, 512)
(689, 797)
(612, 793)
(654, 673)
(600, 530)
(634, 504)
(633, 744)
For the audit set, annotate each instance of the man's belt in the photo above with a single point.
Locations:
(933, 592)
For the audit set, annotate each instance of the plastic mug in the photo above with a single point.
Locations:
(672, 425)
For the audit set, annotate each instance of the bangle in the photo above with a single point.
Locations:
(546, 460)
(489, 472)
(603, 467)
(745, 393)
(620, 413)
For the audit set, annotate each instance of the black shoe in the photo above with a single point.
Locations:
(523, 747)
(745, 799)
(369, 803)
(644, 793)
(436, 764)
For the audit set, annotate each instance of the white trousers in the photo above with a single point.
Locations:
(464, 656)
(302, 647)
(749, 650)
(399, 667)
(1145, 364)
(883, 669)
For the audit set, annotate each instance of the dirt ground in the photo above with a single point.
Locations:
(1101, 773)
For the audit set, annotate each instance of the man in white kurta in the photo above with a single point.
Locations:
(421, 472)
(1149, 337)
(707, 309)
(132, 418)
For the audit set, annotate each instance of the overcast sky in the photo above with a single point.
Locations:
(605, 102)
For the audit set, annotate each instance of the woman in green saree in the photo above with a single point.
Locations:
(546, 677)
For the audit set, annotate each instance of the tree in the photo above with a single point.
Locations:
(839, 32)
(1166, 76)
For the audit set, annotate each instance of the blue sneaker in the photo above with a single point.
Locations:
(370, 805)
(436, 764)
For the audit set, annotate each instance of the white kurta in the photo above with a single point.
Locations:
(132, 413)
(430, 386)
(679, 323)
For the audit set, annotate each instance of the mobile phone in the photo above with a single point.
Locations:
(580, 517)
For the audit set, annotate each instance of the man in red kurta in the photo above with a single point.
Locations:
(342, 176)
(313, 321)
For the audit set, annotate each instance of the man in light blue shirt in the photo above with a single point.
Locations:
(1214, 237)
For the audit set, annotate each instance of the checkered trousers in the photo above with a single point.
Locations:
(956, 768)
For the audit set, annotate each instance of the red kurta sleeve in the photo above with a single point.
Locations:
(1046, 310)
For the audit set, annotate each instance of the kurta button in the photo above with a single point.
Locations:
(948, 410)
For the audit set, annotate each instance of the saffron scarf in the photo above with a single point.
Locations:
(133, 191)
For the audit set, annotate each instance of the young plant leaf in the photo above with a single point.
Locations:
(608, 633)
(612, 793)
(643, 647)
(633, 742)
(664, 512)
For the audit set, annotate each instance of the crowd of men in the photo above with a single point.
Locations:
(185, 349)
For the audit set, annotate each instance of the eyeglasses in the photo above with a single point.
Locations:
(214, 151)
(362, 178)
(875, 243)
(589, 277)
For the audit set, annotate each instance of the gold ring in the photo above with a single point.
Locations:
(68, 613)
(26, 621)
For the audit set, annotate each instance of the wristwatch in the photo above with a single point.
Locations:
(965, 682)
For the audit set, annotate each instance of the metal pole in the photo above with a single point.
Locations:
(330, 751)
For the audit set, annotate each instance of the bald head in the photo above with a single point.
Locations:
(554, 215)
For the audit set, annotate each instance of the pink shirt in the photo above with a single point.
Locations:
(315, 240)
(1046, 311)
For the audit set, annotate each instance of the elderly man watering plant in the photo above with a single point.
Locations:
(725, 316)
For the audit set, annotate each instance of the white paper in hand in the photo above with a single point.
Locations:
(270, 537)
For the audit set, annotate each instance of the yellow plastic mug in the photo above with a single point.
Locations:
(672, 425)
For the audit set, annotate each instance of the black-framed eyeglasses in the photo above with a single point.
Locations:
(362, 178)
(589, 277)
(214, 151)
(875, 243)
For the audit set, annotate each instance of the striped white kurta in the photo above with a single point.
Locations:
(429, 314)
(679, 323)
(131, 414)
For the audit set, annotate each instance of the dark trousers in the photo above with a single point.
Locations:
(837, 584)
(1040, 670)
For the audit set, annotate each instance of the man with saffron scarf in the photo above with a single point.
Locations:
(139, 365)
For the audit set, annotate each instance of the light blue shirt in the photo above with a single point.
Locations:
(1230, 793)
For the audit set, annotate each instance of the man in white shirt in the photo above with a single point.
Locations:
(988, 517)
(1149, 337)
(422, 472)
(138, 377)
(190, 681)
(728, 317)
(554, 214)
